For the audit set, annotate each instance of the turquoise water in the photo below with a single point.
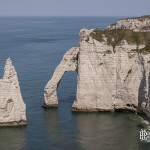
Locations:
(36, 45)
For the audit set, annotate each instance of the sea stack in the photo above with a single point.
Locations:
(12, 106)
(113, 68)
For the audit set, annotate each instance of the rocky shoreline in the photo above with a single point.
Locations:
(14, 124)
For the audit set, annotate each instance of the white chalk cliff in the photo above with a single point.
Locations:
(108, 78)
(68, 63)
(12, 107)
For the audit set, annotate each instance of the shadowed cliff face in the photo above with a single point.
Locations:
(144, 97)
(142, 92)
(113, 71)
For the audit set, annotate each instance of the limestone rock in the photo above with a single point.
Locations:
(107, 80)
(12, 107)
(145, 106)
(68, 63)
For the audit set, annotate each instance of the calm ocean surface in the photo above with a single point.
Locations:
(36, 46)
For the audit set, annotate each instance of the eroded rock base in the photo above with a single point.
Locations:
(10, 124)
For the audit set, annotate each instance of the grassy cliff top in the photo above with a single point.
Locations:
(114, 37)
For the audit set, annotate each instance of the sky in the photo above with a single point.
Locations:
(74, 7)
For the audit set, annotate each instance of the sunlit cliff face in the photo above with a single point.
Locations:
(12, 107)
(6, 101)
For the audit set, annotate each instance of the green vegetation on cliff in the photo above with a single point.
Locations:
(115, 37)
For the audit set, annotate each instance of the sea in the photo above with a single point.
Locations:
(36, 45)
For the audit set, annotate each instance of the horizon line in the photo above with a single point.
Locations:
(68, 16)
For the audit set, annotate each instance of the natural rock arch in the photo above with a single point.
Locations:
(68, 63)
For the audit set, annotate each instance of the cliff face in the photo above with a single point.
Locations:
(109, 80)
(113, 71)
(12, 107)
